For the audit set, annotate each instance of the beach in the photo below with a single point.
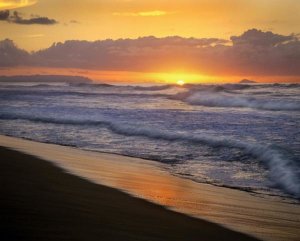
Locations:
(41, 202)
(139, 120)
(97, 209)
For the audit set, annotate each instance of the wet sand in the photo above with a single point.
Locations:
(263, 217)
(41, 202)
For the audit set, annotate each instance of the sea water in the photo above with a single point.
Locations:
(233, 135)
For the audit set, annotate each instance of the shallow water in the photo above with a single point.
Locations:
(241, 136)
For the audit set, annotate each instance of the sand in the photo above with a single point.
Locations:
(41, 202)
(263, 217)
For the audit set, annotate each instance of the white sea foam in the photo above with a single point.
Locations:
(118, 111)
(218, 99)
(283, 171)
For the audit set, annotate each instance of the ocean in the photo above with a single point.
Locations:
(233, 135)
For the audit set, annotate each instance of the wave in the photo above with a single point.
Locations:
(293, 85)
(283, 170)
(49, 93)
(100, 85)
(226, 95)
(153, 88)
(220, 87)
(232, 95)
(212, 99)
(31, 85)
(239, 86)
(135, 87)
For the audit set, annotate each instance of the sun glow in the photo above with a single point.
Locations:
(180, 82)
(179, 78)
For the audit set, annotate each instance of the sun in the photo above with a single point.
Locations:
(180, 82)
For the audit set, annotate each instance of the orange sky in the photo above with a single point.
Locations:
(101, 19)
(142, 77)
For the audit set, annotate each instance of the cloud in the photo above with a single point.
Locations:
(4, 15)
(252, 53)
(155, 13)
(265, 53)
(259, 38)
(11, 4)
(18, 19)
(11, 55)
(74, 21)
(126, 54)
(38, 35)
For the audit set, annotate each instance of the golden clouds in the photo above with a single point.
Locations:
(11, 4)
(155, 13)
(254, 52)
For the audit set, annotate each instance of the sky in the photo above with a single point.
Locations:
(152, 40)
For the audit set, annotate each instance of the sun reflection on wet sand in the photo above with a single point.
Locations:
(146, 179)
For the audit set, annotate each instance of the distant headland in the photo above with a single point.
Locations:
(247, 81)
(45, 78)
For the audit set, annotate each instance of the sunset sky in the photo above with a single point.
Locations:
(215, 40)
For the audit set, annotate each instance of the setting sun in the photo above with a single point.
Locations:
(179, 78)
(180, 82)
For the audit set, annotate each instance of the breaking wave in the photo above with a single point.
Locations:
(142, 88)
(99, 85)
(49, 93)
(283, 170)
(219, 99)
(226, 95)
(153, 88)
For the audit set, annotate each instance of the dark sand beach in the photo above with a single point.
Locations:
(40, 201)
(110, 176)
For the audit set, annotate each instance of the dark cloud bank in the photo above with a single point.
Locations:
(16, 17)
(253, 53)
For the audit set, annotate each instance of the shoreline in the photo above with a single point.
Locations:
(280, 197)
(265, 218)
(40, 201)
